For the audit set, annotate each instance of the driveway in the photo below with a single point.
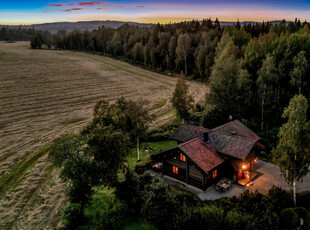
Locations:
(270, 175)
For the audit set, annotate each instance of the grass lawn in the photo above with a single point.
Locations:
(137, 224)
(155, 147)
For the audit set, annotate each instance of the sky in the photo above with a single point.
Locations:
(16, 12)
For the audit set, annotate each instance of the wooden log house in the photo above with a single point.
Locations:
(203, 155)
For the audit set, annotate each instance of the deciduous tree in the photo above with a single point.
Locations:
(292, 153)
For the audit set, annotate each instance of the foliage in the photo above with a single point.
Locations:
(160, 205)
(292, 152)
(289, 218)
(181, 100)
(104, 211)
(131, 190)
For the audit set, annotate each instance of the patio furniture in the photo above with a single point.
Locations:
(223, 185)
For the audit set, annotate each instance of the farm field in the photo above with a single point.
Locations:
(46, 93)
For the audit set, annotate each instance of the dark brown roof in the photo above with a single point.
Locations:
(187, 132)
(232, 145)
(237, 128)
(203, 154)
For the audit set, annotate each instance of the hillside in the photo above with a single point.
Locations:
(70, 26)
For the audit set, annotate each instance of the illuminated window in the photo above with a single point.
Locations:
(182, 157)
(175, 169)
(214, 173)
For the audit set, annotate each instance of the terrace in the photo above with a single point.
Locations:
(269, 175)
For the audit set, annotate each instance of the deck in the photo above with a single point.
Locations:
(244, 181)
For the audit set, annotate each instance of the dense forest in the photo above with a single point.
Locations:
(10, 34)
(252, 70)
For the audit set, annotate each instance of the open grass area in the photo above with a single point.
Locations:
(145, 156)
(47, 93)
(17, 173)
(138, 224)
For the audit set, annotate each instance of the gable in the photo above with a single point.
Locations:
(203, 154)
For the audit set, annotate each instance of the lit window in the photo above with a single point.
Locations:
(182, 157)
(214, 173)
(175, 169)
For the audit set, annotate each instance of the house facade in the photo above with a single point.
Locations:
(203, 155)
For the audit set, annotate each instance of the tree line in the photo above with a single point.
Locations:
(253, 69)
(15, 34)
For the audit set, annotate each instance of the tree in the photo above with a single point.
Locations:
(292, 153)
(138, 119)
(160, 204)
(104, 211)
(267, 77)
(182, 50)
(300, 69)
(181, 100)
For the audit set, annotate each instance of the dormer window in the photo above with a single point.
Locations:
(182, 157)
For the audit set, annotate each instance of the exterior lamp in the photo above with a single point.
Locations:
(243, 166)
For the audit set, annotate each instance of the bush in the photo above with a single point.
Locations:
(142, 167)
(303, 199)
(73, 216)
(289, 218)
(238, 221)
(131, 189)
(280, 198)
(161, 205)
(105, 211)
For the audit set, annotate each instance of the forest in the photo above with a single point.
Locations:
(252, 70)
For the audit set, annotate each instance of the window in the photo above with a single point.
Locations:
(214, 173)
(182, 157)
(175, 169)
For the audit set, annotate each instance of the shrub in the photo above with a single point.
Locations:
(235, 220)
(303, 199)
(73, 216)
(161, 205)
(142, 167)
(280, 198)
(131, 189)
(105, 211)
(289, 218)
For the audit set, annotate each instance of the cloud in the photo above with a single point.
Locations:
(72, 9)
(90, 4)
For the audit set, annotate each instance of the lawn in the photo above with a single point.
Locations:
(145, 156)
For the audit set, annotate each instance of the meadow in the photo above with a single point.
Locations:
(47, 93)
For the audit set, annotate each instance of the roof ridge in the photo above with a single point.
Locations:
(224, 133)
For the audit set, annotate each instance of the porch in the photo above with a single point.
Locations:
(245, 180)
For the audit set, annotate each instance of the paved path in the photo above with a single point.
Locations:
(270, 175)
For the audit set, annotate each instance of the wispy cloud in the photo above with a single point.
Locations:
(72, 9)
(90, 4)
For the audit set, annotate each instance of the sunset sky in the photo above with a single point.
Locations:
(153, 11)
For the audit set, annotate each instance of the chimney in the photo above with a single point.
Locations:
(205, 137)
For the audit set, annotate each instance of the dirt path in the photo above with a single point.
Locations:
(44, 94)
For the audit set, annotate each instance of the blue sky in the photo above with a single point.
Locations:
(39, 11)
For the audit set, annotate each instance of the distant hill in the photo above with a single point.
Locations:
(91, 25)
(82, 25)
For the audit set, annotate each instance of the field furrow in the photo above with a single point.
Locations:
(47, 93)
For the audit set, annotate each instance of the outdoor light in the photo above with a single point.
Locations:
(255, 160)
(243, 166)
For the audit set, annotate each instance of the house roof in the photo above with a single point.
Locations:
(202, 153)
(232, 145)
(186, 132)
(237, 128)
(232, 139)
